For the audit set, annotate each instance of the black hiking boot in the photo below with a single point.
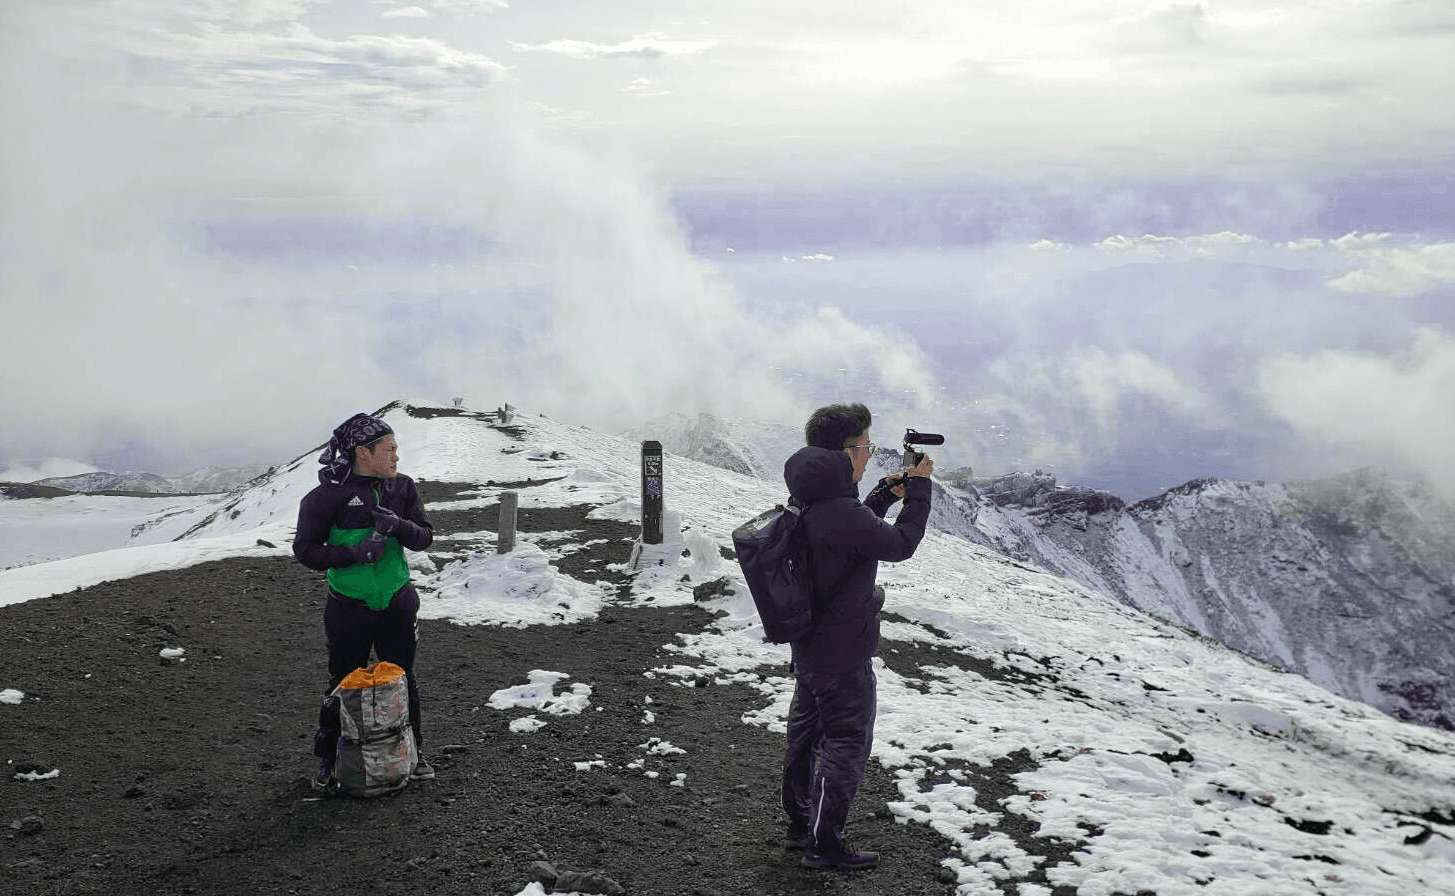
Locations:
(838, 856)
(324, 782)
(797, 838)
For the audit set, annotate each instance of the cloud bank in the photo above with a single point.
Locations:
(1399, 272)
(1397, 408)
(165, 320)
(653, 45)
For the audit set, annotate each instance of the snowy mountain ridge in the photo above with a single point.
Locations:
(1151, 759)
(1348, 581)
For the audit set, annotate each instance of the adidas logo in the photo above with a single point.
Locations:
(355, 502)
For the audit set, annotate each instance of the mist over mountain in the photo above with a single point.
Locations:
(753, 449)
(1348, 581)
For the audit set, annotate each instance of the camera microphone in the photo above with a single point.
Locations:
(914, 437)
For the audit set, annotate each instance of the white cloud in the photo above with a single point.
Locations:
(1143, 245)
(653, 45)
(1384, 264)
(1400, 272)
(638, 324)
(1150, 245)
(1387, 265)
(1399, 408)
(269, 60)
(250, 12)
(646, 87)
(1078, 406)
(942, 87)
(1351, 242)
(298, 56)
(1174, 27)
(464, 8)
(880, 62)
(460, 9)
(1105, 380)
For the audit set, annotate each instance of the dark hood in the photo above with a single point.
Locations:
(817, 474)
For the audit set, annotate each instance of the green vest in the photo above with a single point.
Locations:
(373, 583)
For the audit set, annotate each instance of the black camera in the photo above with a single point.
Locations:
(913, 437)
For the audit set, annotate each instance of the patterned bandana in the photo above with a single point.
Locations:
(338, 457)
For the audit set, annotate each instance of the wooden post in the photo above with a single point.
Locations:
(505, 543)
(651, 492)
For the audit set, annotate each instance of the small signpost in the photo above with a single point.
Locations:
(651, 492)
(505, 534)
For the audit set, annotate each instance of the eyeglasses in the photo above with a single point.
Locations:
(870, 447)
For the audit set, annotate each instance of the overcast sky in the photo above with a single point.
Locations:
(1130, 242)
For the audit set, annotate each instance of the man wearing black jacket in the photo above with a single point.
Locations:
(355, 527)
(831, 722)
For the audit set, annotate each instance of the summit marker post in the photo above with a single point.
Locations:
(651, 492)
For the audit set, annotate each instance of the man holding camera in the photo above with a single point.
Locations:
(831, 723)
(354, 526)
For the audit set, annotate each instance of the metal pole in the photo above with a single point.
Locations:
(505, 543)
(651, 493)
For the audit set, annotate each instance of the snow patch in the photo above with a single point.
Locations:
(511, 590)
(526, 725)
(540, 694)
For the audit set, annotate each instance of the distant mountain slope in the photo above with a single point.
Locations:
(215, 480)
(207, 480)
(101, 481)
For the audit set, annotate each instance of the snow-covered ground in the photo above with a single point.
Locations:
(38, 530)
(1205, 773)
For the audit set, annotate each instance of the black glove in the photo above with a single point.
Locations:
(386, 521)
(368, 550)
(884, 490)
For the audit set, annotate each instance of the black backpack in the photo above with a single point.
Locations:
(772, 550)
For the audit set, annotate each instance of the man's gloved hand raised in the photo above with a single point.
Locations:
(389, 523)
(386, 521)
(368, 550)
(896, 480)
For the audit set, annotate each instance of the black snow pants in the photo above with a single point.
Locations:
(830, 732)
